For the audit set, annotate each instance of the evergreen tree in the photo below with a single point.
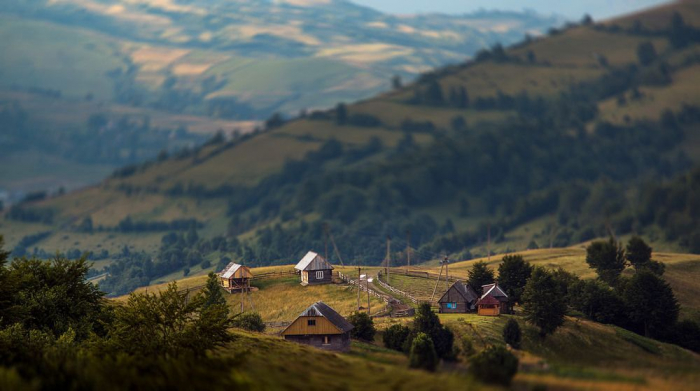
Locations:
(495, 365)
(426, 321)
(513, 273)
(480, 275)
(651, 303)
(364, 326)
(423, 355)
(212, 292)
(607, 258)
(543, 302)
(512, 334)
(395, 336)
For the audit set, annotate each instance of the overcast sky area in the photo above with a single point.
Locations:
(571, 9)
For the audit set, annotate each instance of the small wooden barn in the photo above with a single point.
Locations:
(314, 269)
(320, 326)
(235, 278)
(493, 302)
(460, 298)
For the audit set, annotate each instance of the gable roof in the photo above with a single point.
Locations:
(490, 300)
(313, 261)
(464, 290)
(493, 290)
(230, 270)
(320, 308)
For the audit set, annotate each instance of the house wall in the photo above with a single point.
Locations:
(452, 296)
(461, 308)
(300, 327)
(311, 276)
(336, 342)
(485, 311)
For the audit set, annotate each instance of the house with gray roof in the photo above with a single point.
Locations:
(314, 269)
(320, 326)
(459, 298)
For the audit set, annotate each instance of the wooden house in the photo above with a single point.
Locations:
(460, 298)
(320, 326)
(493, 302)
(314, 269)
(235, 278)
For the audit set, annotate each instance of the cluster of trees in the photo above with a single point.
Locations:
(128, 225)
(57, 332)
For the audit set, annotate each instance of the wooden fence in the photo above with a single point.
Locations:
(261, 276)
(394, 290)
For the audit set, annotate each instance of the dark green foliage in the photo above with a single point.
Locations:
(364, 326)
(685, 333)
(480, 275)
(213, 293)
(395, 336)
(607, 258)
(512, 334)
(513, 273)
(652, 307)
(646, 53)
(341, 114)
(544, 304)
(495, 365)
(251, 321)
(639, 256)
(597, 301)
(423, 355)
(426, 321)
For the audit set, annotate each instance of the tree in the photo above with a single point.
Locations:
(251, 321)
(543, 303)
(646, 53)
(495, 365)
(513, 273)
(395, 336)
(192, 236)
(639, 255)
(607, 258)
(423, 353)
(426, 321)
(480, 275)
(212, 292)
(512, 334)
(396, 82)
(341, 114)
(433, 94)
(651, 303)
(597, 301)
(363, 326)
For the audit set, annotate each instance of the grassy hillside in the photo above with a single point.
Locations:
(524, 140)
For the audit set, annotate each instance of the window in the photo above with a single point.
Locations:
(452, 306)
(319, 275)
(311, 322)
(326, 340)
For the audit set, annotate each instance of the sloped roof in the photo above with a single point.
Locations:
(490, 300)
(229, 270)
(313, 261)
(493, 290)
(320, 308)
(464, 290)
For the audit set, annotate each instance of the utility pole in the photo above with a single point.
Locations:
(488, 243)
(359, 285)
(368, 305)
(437, 282)
(388, 257)
(325, 240)
(408, 251)
(447, 274)
(337, 253)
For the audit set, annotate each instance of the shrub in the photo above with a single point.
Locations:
(495, 365)
(251, 321)
(423, 354)
(364, 326)
(512, 334)
(395, 336)
(467, 346)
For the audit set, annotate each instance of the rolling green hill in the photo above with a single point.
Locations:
(551, 142)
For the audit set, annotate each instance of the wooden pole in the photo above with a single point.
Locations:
(337, 253)
(359, 283)
(368, 304)
(447, 275)
(437, 282)
(388, 257)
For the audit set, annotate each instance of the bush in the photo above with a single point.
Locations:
(512, 334)
(495, 365)
(467, 346)
(251, 321)
(395, 336)
(423, 354)
(364, 326)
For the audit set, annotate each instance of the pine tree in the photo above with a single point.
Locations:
(513, 273)
(212, 292)
(543, 302)
(480, 275)
(423, 353)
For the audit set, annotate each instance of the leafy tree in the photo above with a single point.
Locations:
(192, 236)
(686, 333)
(646, 53)
(364, 326)
(639, 255)
(423, 353)
(607, 258)
(395, 336)
(168, 324)
(426, 321)
(651, 303)
(495, 365)
(512, 334)
(480, 275)
(544, 304)
(513, 273)
(597, 301)
(251, 321)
